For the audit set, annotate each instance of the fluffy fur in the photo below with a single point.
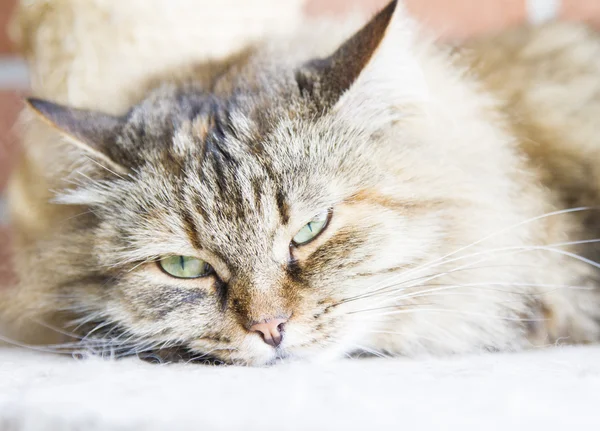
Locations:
(453, 177)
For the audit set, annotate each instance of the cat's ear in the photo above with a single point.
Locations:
(92, 131)
(374, 67)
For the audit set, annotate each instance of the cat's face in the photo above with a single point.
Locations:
(244, 223)
(260, 241)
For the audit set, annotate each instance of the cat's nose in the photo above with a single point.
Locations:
(271, 331)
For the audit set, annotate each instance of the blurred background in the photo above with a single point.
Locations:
(449, 18)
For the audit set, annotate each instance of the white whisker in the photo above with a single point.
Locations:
(443, 259)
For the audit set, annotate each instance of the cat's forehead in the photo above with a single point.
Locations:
(233, 171)
(238, 165)
(234, 107)
(248, 131)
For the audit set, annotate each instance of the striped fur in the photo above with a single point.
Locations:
(437, 243)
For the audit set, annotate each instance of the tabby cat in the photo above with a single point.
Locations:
(391, 196)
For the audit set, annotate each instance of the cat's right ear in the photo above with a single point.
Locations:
(94, 132)
(373, 75)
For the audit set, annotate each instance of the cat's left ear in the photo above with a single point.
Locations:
(94, 132)
(373, 71)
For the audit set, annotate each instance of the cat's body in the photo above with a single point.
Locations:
(444, 177)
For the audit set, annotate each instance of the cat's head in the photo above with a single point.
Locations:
(245, 218)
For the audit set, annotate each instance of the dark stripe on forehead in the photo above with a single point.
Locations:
(257, 191)
(225, 121)
(218, 124)
(191, 103)
(218, 176)
(282, 207)
(216, 144)
(266, 165)
(198, 205)
(174, 164)
(191, 230)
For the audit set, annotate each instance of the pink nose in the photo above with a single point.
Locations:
(271, 331)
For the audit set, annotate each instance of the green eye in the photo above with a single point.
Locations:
(185, 267)
(313, 228)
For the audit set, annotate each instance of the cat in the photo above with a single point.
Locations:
(384, 194)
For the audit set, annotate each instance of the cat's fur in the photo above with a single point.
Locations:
(446, 171)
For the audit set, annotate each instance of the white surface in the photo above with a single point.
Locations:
(553, 389)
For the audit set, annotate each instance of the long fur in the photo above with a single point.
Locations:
(461, 220)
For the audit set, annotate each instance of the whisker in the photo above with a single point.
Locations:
(511, 250)
(373, 352)
(485, 287)
(104, 167)
(503, 230)
(550, 214)
(403, 334)
(459, 312)
(62, 349)
(416, 279)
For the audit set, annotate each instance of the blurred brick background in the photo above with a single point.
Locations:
(9, 107)
(5, 9)
(9, 100)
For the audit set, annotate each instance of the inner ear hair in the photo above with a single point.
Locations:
(94, 132)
